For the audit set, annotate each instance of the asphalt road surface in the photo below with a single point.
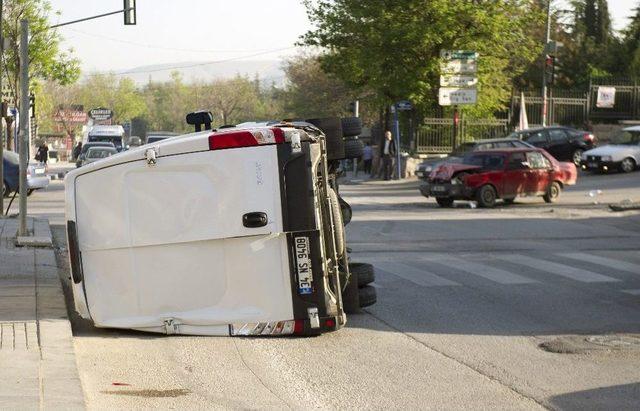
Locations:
(521, 307)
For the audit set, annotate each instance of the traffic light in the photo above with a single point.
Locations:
(550, 68)
(129, 12)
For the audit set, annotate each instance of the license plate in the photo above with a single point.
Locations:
(438, 189)
(593, 165)
(39, 170)
(303, 265)
(419, 173)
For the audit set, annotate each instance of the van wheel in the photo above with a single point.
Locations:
(627, 165)
(337, 221)
(553, 192)
(353, 148)
(351, 126)
(332, 129)
(368, 296)
(444, 202)
(486, 196)
(364, 273)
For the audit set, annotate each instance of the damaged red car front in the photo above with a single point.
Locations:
(500, 174)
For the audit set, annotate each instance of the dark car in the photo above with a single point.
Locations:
(427, 166)
(486, 176)
(563, 143)
(87, 146)
(36, 174)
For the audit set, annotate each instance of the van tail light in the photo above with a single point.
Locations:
(267, 328)
(245, 138)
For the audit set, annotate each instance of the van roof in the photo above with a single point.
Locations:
(103, 130)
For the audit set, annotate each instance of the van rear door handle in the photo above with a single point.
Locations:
(255, 219)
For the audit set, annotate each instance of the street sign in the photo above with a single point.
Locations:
(404, 105)
(453, 80)
(449, 96)
(459, 67)
(458, 55)
(100, 114)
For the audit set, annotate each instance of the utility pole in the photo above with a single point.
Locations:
(24, 123)
(544, 66)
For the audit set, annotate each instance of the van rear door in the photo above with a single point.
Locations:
(170, 241)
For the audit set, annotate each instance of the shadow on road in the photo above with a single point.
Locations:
(617, 397)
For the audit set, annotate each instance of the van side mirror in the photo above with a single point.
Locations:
(199, 118)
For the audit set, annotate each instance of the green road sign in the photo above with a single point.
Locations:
(459, 54)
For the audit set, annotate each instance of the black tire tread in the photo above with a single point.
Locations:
(353, 148)
(364, 272)
(351, 126)
(368, 296)
(332, 129)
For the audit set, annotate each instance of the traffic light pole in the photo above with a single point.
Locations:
(545, 102)
(24, 124)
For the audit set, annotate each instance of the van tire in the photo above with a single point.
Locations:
(364, 272)
(353, 148)
(332, 129)
(367, 296)
(337, 221)
(351, 126)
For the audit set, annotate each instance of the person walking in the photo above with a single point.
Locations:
(76, 151)
(388, 152)
(367, 158)
(43, 153)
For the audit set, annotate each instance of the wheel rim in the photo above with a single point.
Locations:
(627, 165)
(554, 191)
(488, 197)
(577, 157)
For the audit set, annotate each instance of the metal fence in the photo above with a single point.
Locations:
(627, 100)
(565, 107)
(436, 135)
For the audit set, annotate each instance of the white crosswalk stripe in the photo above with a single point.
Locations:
(415, 275)
(562, 270)
(603, 261)
(494, 274)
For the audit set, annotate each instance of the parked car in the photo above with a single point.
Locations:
(155, 136)
(487, 176)
(98, 153)
(623, 153)
(36, 174)
(563, 143)
(426, 167)
(87, 146)
(236, 231)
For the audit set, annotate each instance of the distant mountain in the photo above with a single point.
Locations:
(268, 71)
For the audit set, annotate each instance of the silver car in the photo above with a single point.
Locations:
(98, 153)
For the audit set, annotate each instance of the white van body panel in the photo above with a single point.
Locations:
(144, 231)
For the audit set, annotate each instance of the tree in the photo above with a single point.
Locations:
(232, 101)
(393, 48)
(632, 45)
(118, 94)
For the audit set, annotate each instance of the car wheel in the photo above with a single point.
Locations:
(337, 221)
(627, 165)
(509, 200)
(364, 272)
(487, 196)
(444, 202)
(351, 126)
(332, 129)
(553, 192)
(577, 157)
(367, 295)
(353, 148)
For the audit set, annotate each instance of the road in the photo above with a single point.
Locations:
(521, 307)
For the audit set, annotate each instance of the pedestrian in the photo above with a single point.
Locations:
(388, 152)
(77, 150)
(43, 153)
(367, 157)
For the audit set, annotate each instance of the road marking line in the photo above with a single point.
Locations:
(490, 273)
(632, 292)
(562, 270)
(415, 275)
(606, 262)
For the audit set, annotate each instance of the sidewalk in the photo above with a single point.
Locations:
(37, 360)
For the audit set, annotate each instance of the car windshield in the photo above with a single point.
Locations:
(117, 141)
(486, 161)
(100, 152)
(11, 157)
(627, 137)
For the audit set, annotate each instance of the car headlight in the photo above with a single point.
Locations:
(605, 158)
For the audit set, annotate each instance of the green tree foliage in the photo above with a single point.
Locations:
(46, 59)
(109, 91)
(392, 48)
(631, 45)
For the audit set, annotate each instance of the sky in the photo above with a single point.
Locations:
(174, 31)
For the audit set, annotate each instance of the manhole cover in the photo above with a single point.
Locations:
(615, 341)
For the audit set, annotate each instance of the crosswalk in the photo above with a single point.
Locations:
(510, 269)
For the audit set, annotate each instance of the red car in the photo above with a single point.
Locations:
(500, 174)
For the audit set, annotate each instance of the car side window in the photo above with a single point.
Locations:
(557, 135)
(539, 137)
(536, 160)
(516, 160)
(503, 144)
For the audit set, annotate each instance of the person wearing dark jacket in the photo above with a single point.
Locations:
(77, 150)
(43, 153)
(388, 152)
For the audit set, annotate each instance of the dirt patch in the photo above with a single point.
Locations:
(581, 344)
(148, 393)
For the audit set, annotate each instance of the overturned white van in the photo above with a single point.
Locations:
(229, 232)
